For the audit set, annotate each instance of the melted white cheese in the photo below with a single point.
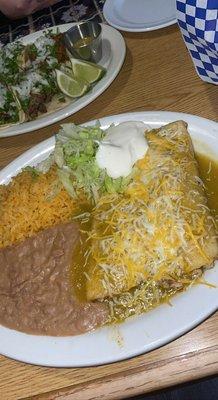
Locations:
(126, 143)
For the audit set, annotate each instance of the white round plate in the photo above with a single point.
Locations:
(138, 334)
(113, 54)
(140, 15)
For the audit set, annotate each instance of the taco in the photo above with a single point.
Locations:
(37, 91)
(10, 109)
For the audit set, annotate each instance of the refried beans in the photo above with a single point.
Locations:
(36, 293)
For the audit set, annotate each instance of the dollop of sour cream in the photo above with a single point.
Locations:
(126, 143)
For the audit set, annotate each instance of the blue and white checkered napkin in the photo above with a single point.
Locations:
(198, 21)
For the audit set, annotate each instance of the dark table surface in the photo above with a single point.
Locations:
(63, 12)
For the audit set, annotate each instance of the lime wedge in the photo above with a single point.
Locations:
(87, 71)
(70, 86)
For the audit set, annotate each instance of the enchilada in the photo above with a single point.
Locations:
(160, 229)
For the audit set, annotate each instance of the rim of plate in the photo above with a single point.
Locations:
(101, 346)
(107, 15)
(113, 64)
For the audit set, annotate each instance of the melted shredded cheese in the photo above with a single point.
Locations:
(159, 229)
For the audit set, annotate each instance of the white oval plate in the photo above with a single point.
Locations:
(140, 15)
(113, 55)
(139, 334)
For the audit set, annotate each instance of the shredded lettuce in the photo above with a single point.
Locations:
(66, 181)
(34, 172)
(46, 164)
(74, 155)
(77, 169)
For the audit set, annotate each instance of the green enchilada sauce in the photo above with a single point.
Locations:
(147, 295)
